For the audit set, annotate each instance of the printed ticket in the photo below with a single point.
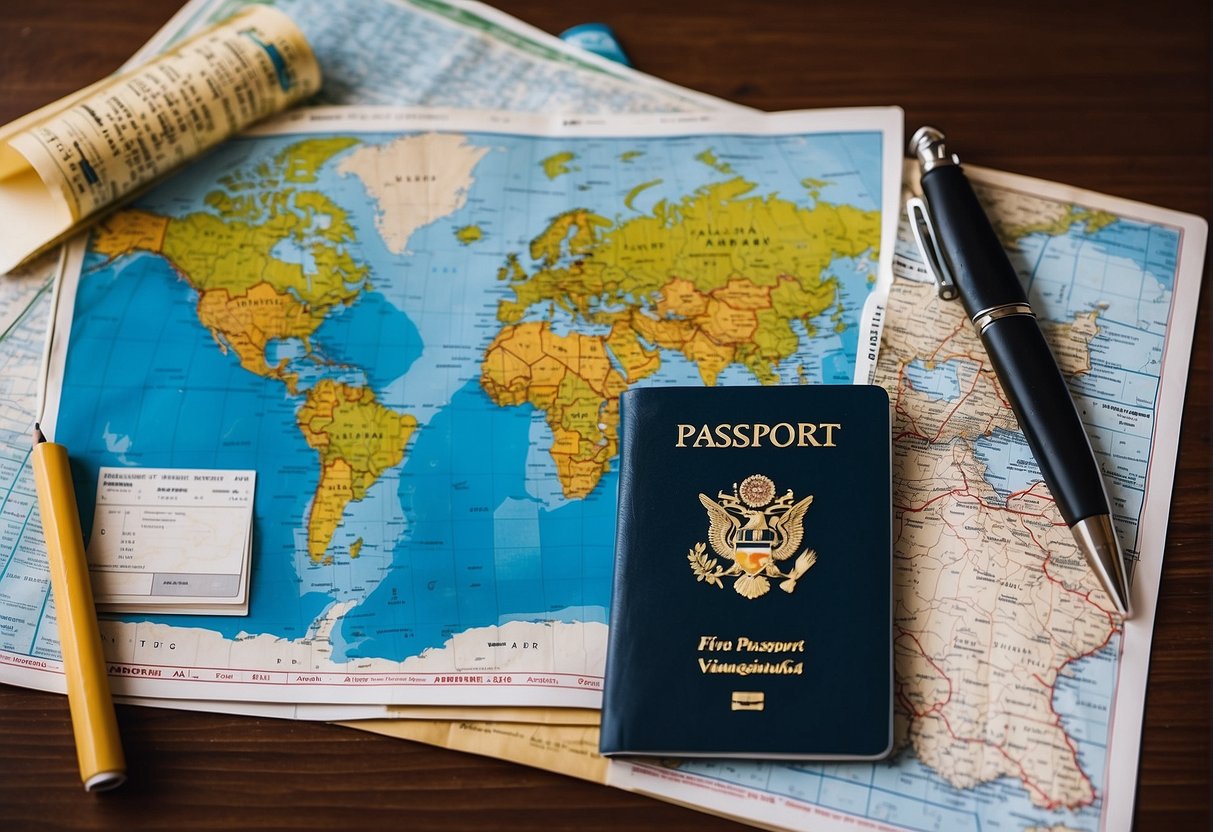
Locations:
(172, 540)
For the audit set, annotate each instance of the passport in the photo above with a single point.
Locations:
(751, 608)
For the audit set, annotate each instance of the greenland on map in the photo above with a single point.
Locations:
(416, 327)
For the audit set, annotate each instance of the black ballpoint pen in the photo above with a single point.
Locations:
(974, 266)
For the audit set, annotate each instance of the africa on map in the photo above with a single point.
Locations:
(418, 335)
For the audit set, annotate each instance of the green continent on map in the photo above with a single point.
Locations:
(720, 276)
(993, 600)
(357, 439)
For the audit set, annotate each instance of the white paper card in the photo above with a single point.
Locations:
(172, 540)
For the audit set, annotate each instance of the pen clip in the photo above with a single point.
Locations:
(924, 236)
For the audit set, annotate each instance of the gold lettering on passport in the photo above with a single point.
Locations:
(756, 532)
(746, 435)
(742, 666)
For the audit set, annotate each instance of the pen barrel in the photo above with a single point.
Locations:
(983, 275)
(1042, 403)
(94, 724)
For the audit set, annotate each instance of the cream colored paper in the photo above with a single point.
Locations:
(564, 749)
(64, 167)
(172, 540)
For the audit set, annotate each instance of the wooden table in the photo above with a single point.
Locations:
(1113, 96)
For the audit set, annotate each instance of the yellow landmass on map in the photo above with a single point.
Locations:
(248, 295)
(992, 599)
(357, 439)
(270, 261)
(635, 360)
(246, 323)
(469, 234)
(708, 157)
(709, 238)
(301, 162)
(212, 252)
(129, 231)
(569, 378)
(722, 277)
(575, 230)
(638, 190)
(557, 165)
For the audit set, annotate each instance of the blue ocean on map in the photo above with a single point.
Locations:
(1077, 272)
(146, 395)
(471, 529)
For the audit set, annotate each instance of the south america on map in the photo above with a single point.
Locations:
(416, 328)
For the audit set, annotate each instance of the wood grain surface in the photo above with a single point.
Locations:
(1111, 96)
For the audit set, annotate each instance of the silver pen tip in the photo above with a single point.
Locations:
(925, 135)
(927, 145)
(1097, 541)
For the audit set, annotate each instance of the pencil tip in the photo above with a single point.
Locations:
(39, 436)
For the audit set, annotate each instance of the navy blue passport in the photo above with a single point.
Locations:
(751, 614)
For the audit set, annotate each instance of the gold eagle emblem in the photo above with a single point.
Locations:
(757, 532)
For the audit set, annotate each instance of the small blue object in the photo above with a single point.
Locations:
(597, 38)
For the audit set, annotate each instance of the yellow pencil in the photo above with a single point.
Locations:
(98, 745)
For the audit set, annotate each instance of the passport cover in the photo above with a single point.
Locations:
(751, 613)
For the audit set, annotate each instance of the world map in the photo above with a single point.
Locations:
(418, 340)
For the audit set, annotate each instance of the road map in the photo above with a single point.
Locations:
(1018, 697)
